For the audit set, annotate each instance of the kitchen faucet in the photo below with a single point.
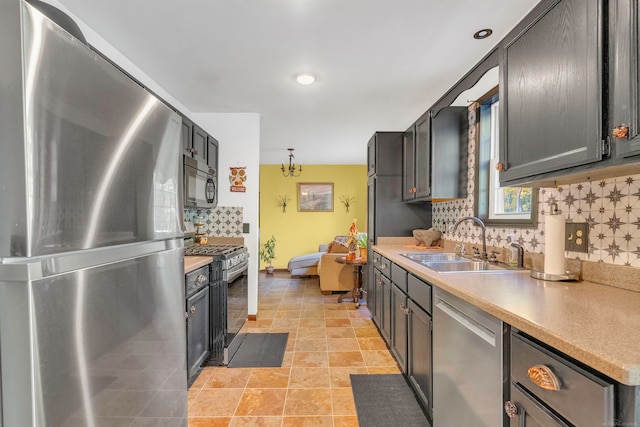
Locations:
(484, 232)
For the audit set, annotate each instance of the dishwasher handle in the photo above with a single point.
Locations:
(465, 320)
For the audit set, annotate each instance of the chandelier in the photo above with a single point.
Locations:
(291, 169)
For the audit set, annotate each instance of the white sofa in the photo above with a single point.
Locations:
(306, 265)
(333, 276)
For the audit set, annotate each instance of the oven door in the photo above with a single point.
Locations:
(200, 188)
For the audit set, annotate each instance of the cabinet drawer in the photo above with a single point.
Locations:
(420, 292)
(376, 257)
(583, 398)
(399, 277)
(385, 266)
(531, 410)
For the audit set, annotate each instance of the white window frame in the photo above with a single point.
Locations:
(496, 193)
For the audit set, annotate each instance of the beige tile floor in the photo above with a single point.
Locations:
(327, 342)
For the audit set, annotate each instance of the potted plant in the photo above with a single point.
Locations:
(267, 253)
(361, 240)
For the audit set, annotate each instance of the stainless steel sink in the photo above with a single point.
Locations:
(436, 257)
(465, 266)
(446, 262)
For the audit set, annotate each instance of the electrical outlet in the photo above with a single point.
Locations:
(576, 237)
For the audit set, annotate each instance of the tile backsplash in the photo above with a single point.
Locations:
(220, 221)
(611, 207)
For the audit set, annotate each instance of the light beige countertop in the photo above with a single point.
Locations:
(193, 262)
(596, 324)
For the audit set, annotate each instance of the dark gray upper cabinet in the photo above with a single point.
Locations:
(416, 153)
(435, 149)
(551, 90)
(187, 136)
(408, 164)
(387, 215)
(624, 83)
(199, 144)
(371, 157)
(450, 151)
(384, 154)
(434, 154)
(423, 157)
(212, 154)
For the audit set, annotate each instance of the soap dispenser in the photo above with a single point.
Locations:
(513, 251)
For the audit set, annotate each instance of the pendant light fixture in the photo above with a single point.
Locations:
(291, 169)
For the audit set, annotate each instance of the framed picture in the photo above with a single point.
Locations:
(315, 197)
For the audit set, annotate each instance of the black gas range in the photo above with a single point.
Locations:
(228, 295)
(235, 258)
(212, 250)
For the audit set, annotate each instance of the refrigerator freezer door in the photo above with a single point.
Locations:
(101, 345)
(100, 156)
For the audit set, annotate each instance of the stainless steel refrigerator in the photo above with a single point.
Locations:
(92, 329)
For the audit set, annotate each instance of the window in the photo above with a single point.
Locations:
(494, 204)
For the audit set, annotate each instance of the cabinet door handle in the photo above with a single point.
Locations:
(404, 309)
(543, 377)
(621, 131)
(196, 152)
(511, 409)
(500, 166)
(192, 310)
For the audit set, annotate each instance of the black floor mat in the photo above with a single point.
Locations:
(386, 400)
(260, 351)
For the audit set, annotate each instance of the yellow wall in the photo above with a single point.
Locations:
(299, 233)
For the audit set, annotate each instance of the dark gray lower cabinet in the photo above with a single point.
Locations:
(385, 308)
(582, 398)
(368, 284)
(419, 353)
(404, 320)
(530, 413)
(373, 297)
(197, 331)
(399, 326)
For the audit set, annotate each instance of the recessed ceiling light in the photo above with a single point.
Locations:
(305, 79)
(483, 34)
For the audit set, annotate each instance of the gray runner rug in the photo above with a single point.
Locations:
(260, 351)
(386, 400)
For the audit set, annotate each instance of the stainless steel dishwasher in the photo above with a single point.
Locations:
(468, 375)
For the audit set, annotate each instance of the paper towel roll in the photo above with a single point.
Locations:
(554, 244)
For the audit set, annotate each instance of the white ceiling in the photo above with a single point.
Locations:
(380, 63)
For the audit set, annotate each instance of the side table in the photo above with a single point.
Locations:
(357, 291)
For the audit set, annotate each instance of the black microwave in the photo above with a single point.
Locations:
(200, 185)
